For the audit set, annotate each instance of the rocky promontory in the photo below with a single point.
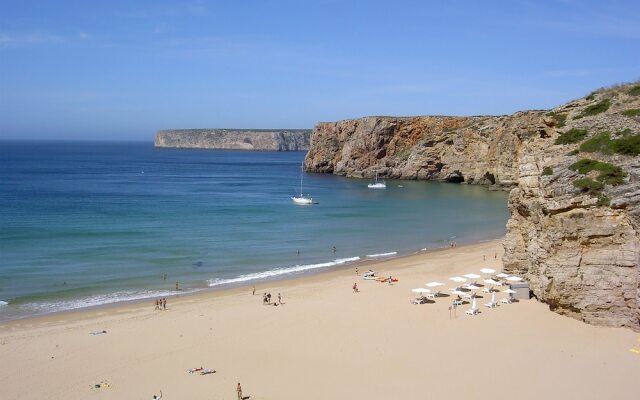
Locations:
(574, 178)
(235, 139)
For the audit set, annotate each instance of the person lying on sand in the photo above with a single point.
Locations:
(158, 397)
(208, 371)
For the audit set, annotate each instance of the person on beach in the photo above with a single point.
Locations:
(264, 298)
(495, 255)
(356, 271)
(157, 304)
(390, 279)
(253, 291)
(484, 258)
(158, 397)
(177, 286)
(239, 390)
(164, 277)
(279, 299)
(269, 297)
(334, 249)
(355, 287)
(164, 303)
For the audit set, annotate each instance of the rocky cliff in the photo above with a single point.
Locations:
(575, 189)
(236, 139)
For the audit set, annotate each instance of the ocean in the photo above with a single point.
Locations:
(90, 223)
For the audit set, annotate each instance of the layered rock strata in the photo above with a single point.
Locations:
(235, 139)
(579, 249)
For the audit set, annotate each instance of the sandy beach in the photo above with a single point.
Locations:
(324, 342)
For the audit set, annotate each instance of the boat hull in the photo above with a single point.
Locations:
(302, 200)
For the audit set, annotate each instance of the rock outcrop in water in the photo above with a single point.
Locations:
(574, 225)
(235, 139)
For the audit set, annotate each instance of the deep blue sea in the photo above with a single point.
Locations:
(89, 223)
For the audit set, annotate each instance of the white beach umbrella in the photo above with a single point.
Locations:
(472, 276)
(473, 287)
(434, 284)
(514, 278)
(459, 292)
(420, 290)
(458, 279)
(487, 271)
(502, 275)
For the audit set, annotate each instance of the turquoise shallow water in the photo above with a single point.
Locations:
(88, 223)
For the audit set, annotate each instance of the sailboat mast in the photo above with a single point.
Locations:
(301, 175)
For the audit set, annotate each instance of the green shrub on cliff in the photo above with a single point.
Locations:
(609, 174)
(634, 112)
(547, 171)
(558, 118)
(600, 143)
(628, 145)
(603, 200)
(571, 136)
(588, 185)
(597, 108)
(634, 91)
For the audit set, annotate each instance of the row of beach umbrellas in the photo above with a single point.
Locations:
(464, 278)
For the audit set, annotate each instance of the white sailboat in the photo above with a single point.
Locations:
(302, 199)
(377, 185)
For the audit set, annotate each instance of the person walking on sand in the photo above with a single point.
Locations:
(239, 390)
(253, 293)
(279, 299)
(157, 304)
(158, 397)
(355, 287)
(357, 271)
(164, 303)
(269, 297)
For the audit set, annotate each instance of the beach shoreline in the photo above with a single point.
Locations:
(193, 290)
(372, 344)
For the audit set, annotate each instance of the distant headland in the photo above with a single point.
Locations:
(235, 139)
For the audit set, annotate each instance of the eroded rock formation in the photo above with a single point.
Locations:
(578, 246)
(235, 139)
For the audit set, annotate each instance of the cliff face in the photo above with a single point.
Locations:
(572, 234)
(235, 139)
(481, 150)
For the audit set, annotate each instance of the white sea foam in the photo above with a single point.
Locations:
(97, 300)
(393, 253)
(3, 303)
(280, 271)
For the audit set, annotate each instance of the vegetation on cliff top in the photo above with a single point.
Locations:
(609, 174)
(571, 136)
(558, 118)
(595, 109)
(627, 144)
(634, 91)
(634, 112)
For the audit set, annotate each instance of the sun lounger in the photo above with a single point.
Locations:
(506, 300)
(457, 302)
(491, 305)
(432, 295)
(487, 290)
(472, 311)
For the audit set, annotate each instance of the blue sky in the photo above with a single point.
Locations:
(123, 69)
